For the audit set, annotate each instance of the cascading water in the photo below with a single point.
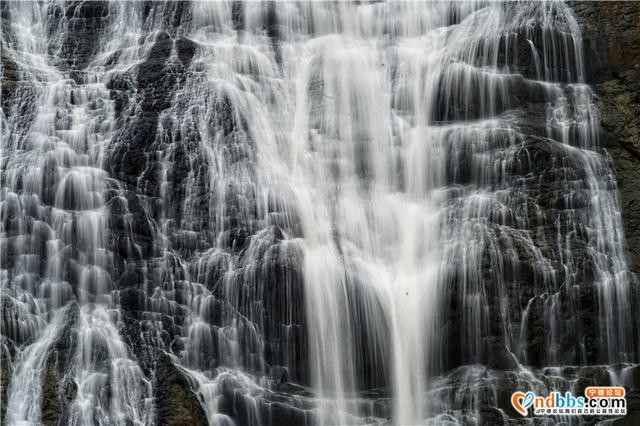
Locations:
(269, 213)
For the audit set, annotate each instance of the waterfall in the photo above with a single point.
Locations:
(304, 212)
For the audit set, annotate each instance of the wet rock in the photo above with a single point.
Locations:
(536, 330)
(473, 94)
(628, 420)
(58, 388)
(176, 402)
(171, 16)
(17, 96)
(275, 408)
(237, 13)
(286, 415)
(611, 35)
(185, 48)
(271, 274)
(6, 348)
(497, 355)
(619, 104)
(592, 376)
(85, 22)
(492, 416)
(152, 71)
(10, 76)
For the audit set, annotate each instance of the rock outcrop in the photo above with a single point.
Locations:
(176, 403)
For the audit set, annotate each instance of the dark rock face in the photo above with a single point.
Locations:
(5, 376)
(58, 389)
(177, 404)
(81, 17)
(611, 33)
(564, 300)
